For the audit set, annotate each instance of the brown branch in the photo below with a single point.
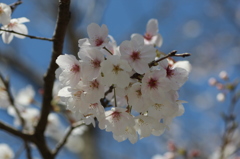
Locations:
(28, 149)
(29, 36)
(155, 63)
(15, 132)
(64, 140)
(61, 27)
(171, 54)
(14, 5)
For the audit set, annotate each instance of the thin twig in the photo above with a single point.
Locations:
(11, 100)
(14, 5)
(28, 150)
(64, 140)
(15, 132)
(171, 54)
(29, 36)
(155, 62)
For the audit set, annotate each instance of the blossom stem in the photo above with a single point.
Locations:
(29, 36)
(108, 50)
(115, 98)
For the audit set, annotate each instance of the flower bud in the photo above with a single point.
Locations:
(221, 97)
(212, 81)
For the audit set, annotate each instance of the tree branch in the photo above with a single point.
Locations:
(15, 132)
(29, 36)
(60, 30)
(171, 54)
(14, 5)
(64, 140)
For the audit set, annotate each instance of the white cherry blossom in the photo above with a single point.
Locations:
(25, 96)
(137, 54)
(155, 86)
(152, 36)
(74, 98)
(177, 76)
(116, 120)
(6, 152)
(94, 90)
(98, 36)
(69, 72)
(91, 59)
(135, 98)
(146, 126)
(130, 134)
(5, 14)
(115, 71)
(17, 26)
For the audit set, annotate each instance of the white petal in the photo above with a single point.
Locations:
(20, 28)
(7, 37)
(152, 27)
(23, 20)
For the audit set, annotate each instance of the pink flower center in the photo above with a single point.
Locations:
(116, 115)
(93, 105)
(135, 55)
(170, 72)
(153, 83)
(96, 63)
(11, 25)
(94, 84)
(99, 41)
(75, 68)
(148, 36)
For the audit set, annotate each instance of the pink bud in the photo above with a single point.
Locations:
(212, 81)
(219, 86)
(171, 146)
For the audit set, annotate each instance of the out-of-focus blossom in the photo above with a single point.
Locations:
(221, 97)
(223, 75)
(25, 96)
(6, 152)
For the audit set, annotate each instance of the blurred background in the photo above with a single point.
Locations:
(209, 30)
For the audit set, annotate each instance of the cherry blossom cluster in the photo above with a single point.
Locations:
(126, 88)
(9, 24)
